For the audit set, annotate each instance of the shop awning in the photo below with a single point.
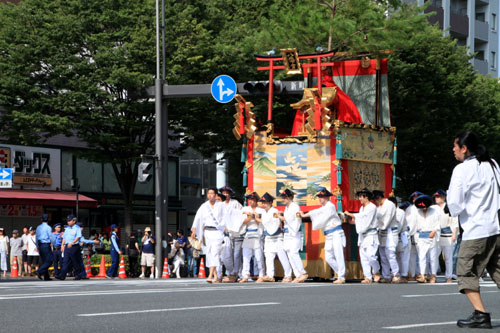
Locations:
(45, 198)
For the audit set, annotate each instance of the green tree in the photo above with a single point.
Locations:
(435, 93)
(80, 68)
(351, 26)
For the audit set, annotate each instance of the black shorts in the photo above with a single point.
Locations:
(33, 260)
(25, 256)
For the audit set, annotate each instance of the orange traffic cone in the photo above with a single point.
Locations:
(202, 274)
(121, 272)
(102, 269)
(13, 272)
(88, 269)
(166, 270)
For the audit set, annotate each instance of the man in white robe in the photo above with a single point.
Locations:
(273, 242)
(232, 253)
(208, 225)
(366, 227)
(448, 233)
(426, 222)
(404, 243)
(293, 235)
(252, 246)
(388, 235)
(327, 219)
(413, 268)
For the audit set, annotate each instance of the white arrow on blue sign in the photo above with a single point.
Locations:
(6, 177)
(5, 174)
(223, 89)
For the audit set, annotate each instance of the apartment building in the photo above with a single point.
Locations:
(473, 23)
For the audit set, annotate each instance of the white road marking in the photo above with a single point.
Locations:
(402, 327)
(57, 283)
(176, 309)
(444, 294)
(145, 291)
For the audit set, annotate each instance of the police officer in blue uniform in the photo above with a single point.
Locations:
(115, 253)
(44, 238)
(57, 254)
(71, 249)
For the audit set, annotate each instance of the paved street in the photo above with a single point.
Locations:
(192, 305)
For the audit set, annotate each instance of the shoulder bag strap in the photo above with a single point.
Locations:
(495, 175)
(498, 184)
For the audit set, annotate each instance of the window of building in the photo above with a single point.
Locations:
(437, 3)
(480, 55)
(493, 60)
(480, 17)
(493, 22)
(66, 170)
(89, 175)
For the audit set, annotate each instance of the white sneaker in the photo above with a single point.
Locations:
(151, 276)
(141, 276)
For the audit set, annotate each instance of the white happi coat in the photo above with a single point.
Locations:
(404, 234)
(209, 224)
(427, 223)
(366, 225)
(326, 218)
(293, 221)
(272, 229)
(232, 218)
(208, 217)
(254, 230)
(446, 221)
(386, 216)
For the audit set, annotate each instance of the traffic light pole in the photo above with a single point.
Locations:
(161, 174)
(161, 150)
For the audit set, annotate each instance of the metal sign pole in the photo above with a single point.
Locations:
(161, 146)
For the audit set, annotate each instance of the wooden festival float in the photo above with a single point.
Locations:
(341, 139)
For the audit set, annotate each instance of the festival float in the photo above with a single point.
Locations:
(341, 139)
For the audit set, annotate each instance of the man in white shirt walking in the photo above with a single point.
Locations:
(473, 196)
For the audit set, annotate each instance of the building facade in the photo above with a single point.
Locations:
(473, 23)
(53, 179)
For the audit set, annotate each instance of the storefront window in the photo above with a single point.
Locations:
(89, 175)
(110, 183)
(66, 170)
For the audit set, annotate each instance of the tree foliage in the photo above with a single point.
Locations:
(354, 26)
(81, 68)
(435, 93)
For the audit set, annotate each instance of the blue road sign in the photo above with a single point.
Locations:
(223, 89)
(6, 177)
(5, 174)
